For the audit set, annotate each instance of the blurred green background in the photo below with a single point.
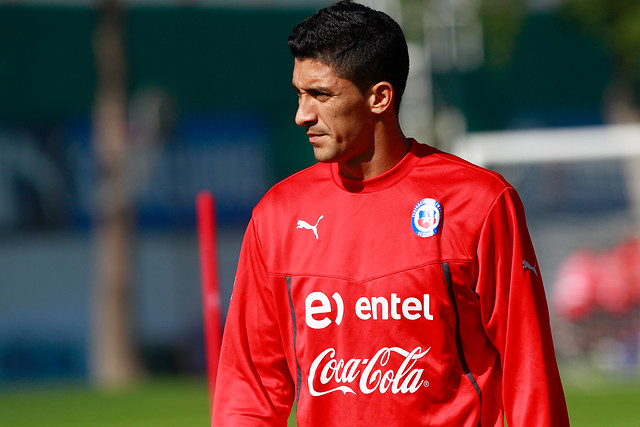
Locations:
(195, 95)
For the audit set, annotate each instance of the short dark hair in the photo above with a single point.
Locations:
(362, 45)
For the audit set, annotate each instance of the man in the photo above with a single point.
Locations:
(390, 283)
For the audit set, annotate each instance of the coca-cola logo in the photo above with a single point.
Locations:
(328, 374)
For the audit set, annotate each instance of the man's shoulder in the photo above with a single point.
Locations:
(296, 186)
(303, 180)
(455, 170)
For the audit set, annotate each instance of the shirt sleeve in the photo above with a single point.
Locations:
(516, 318)
(254, 386)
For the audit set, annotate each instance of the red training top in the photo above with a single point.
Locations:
(413, 298)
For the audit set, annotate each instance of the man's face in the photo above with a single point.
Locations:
(335, 114)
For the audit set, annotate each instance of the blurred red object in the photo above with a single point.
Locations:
(574, 293)
(608, 281)
(210, 284)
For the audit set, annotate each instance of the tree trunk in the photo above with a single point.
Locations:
(621, 107)
(114, 360)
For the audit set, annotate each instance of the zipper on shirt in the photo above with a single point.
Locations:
(446, 270)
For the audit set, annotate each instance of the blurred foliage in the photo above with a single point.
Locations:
(617, 24)
(502, 21)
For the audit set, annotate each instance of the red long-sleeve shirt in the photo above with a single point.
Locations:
(413, 298)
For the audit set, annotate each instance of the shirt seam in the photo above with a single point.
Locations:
(373, 278)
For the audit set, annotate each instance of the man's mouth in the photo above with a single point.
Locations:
(314, 137)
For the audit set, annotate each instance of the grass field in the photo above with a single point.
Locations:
(160, 403)
(184, 403)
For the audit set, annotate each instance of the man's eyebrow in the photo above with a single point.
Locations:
(313, 89)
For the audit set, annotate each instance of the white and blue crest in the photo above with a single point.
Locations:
(425, 219)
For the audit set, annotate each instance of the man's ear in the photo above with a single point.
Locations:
(381, 97)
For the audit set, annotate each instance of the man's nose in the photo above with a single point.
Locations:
(305, 114)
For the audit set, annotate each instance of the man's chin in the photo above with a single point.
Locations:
(323, 160)
(323, 156)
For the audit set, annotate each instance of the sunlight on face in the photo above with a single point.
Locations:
(334, 112)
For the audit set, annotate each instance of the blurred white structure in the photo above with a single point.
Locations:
(561, 145)
(550, 145)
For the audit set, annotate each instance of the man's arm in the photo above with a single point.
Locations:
(516, 317)
(254, 387)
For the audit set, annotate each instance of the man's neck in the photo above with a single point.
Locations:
(389, 148)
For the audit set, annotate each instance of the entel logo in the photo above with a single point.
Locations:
(318, 307)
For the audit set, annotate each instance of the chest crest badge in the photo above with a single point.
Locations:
(426, 217)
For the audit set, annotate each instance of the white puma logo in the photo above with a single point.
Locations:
(525, 264)
(314, 228)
